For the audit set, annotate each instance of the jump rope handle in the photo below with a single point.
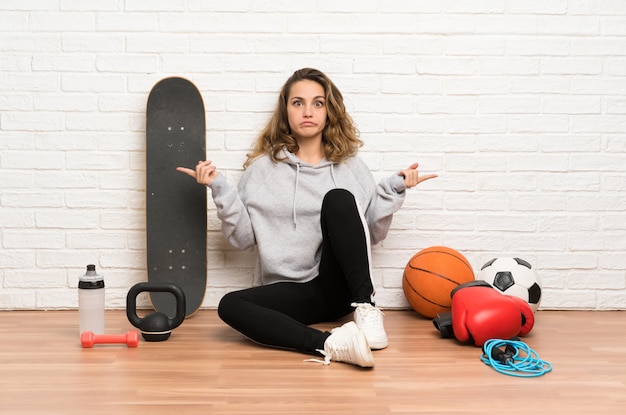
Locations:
(503, 356)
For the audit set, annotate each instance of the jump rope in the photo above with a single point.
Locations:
(517, 358)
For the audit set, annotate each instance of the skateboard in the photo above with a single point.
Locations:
(176, 207)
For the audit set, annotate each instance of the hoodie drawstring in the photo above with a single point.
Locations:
(332, 174)
(295, 195)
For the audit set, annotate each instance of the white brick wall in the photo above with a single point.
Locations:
(519, 105)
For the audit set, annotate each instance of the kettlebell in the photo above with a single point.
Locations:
(155, 327)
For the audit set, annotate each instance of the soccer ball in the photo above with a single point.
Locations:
(513, 276)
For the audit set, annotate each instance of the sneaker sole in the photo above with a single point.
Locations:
(366, 359)
(378, 344)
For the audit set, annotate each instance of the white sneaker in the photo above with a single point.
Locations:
(369, 320)
(347, 344)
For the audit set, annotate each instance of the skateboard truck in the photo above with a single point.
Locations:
(157, 326)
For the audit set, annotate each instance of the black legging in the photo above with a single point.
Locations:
(278, 315)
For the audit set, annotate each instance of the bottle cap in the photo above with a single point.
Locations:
(91, 280)
(90, 285)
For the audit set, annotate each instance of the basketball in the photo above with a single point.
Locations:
(431, 275)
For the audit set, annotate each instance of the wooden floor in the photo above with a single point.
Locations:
(207, 368)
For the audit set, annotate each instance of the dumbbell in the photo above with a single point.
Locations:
(89, 338)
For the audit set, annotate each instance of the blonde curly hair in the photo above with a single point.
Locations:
(340, 138)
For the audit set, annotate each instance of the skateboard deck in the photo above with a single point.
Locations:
(176, 206)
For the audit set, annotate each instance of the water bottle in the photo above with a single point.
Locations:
(91, 301)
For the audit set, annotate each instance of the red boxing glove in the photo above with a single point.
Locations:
(480, 313)
(528, 317)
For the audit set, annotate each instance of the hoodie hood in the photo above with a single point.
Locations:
(291, 158)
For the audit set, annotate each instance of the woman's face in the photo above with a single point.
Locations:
(306, 110)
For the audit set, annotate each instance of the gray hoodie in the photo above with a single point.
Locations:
(277, 208)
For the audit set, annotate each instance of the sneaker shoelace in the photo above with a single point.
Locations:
(332, 351)
(370, 314)
(325, 362)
